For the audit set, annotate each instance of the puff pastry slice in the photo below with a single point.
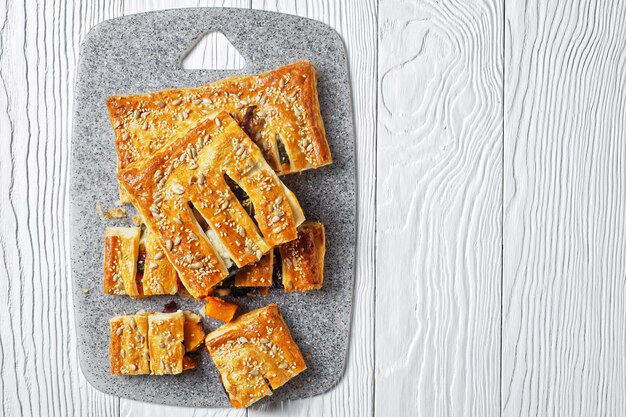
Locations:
(278, 109)
(158, 276)
(191, 172)
(121, 251)
(253, 353)
(166, 334)
(128, 350)
(259, 274)
(303, 259)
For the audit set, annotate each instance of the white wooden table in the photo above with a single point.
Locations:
(491, 275)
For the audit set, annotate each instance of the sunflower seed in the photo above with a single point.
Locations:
(168, 245)
(196, 101)
(132, 367)
(117, 124)
(278, 200)
(283, 366)
(275, 219)
(159, 255)
(154, 265)
(145, 126)
(218, 122)
(242, 340)
(178, 189)
(122, 353)
(240, 230)
(159, 103)
(196, 265)
(177, 241)
(176, 102)
(201, 179)
(193, 166)
(193, 236)
(177, 220)
(137, 113)
(259, 253)
(119, 331)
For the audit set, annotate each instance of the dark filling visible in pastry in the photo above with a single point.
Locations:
(247, 122)
(170, 307)
(141, 266)
(233, 291)
(277, 271)
(242, 197)
(283, 157)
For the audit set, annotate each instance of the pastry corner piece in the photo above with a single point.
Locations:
(121, 252)
(254, 354)
(303, 258)
(183, 186)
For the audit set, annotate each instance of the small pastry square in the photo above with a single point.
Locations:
(191, 172)
(166, 334)
(219, 309)
(303, 259)
(121, 250)
(253, 353)
(257, 275)
(128, 350)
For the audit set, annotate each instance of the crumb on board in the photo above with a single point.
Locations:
(115, 213)
(85, 290)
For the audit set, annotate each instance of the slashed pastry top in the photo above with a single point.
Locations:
(154, 343)
(303, 258)
(190, 172)
(254, 350)
(279, 110)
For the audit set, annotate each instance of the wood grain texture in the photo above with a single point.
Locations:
(39, 372)
(564, 292)
(439, 208)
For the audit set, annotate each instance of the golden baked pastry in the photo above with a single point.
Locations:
(257, 275)
(279, 110)
(303, 258)
(191, 171)
(121, 251)
(252, 351)
(134, 264)
(154, 343)
(158, 276)
(166, 334)
(128, 351)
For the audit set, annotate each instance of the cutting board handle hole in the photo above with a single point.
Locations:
(212, 51)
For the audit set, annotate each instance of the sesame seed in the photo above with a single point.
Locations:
(177, 220)
(309, 147)
(133, 324)
(145, 126)
(193, 236)
(125, 135)
(132, 367)
(254, 372)
(206, 101)
(144, 114)
(218, 122)
(260, 113)
(259, 253)
(283, 366)
(240, 230)
(177, 241)
(264, 341)
(122, 353)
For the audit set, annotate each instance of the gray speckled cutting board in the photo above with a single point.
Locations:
(142, 53)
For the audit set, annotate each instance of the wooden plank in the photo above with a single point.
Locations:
(439, 209)
(39, 372)
(564, 296)
(356, 22)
